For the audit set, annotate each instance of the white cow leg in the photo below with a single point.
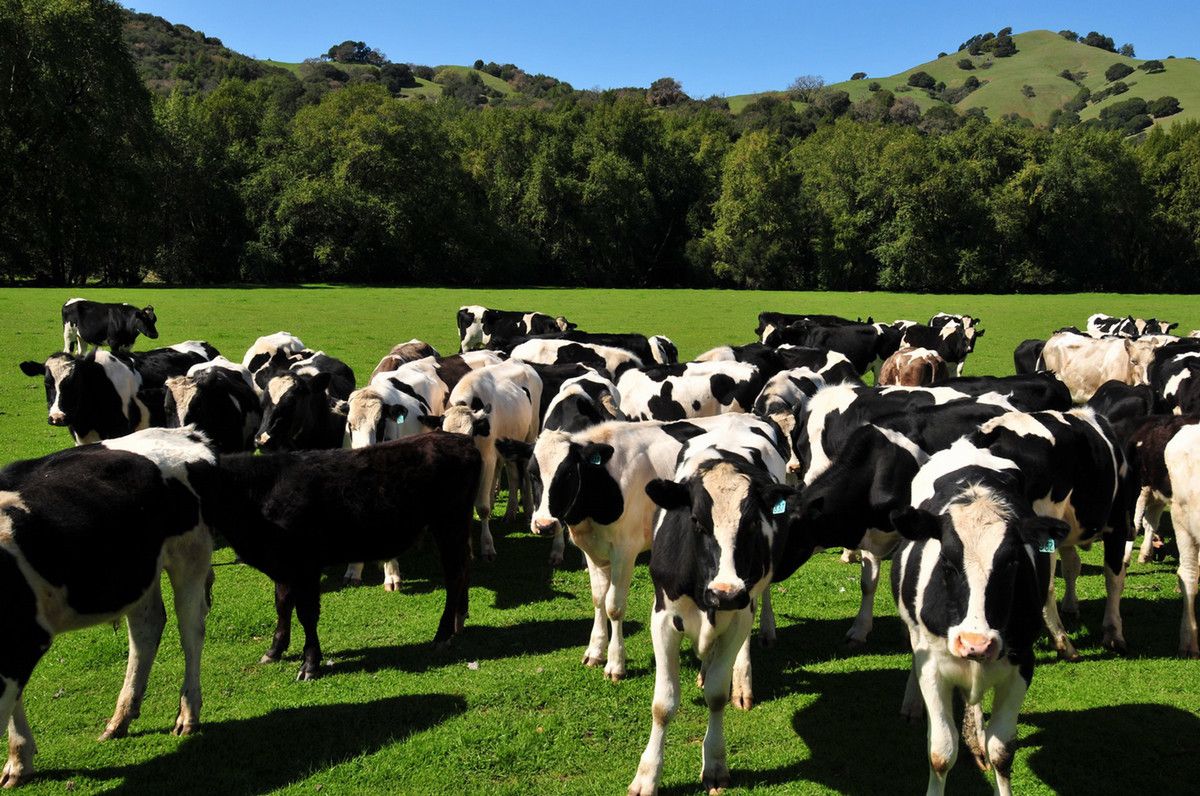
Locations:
(666, 640)
(483, 505)
(621, 574)
(391, 575)
(1002, 729)
(597, 653)
(856, 636)
(715, 773)
(21, 748)
(1054, 625)
(1147, 513)
(67, 338)
(1072, 565)
(558, 547)
(190, 582)
(1189, 567)
(353, 576)
(766, 620)
(743, 682)
(146, 621)
(943, 737)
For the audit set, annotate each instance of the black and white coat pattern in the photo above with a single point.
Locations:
(611, 361)
(219, 399)
(690, 389)
(478, 325)
(85, 535)
(95, 323)
(95, 396)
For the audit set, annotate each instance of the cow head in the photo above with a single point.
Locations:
(564, 325)
(144, 321)
(471, 421)
(981, 546)
(665, 352)
(569, 479)
(65, 376)
(293, 407)
(375, 414)
(179, 395)
(722, 520)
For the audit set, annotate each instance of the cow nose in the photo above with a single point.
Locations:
(975, 646)
(793, 467)
(727, 596)
(545, 527)
(263, 439)
(57, 419)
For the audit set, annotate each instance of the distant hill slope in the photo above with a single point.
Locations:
(1041, 56)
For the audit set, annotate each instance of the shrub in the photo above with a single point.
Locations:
(1069, 35)
(831, 103)
(1004, 32)
(966, 63)
(1117, 71)
(1061, 119)
(1079, 101)
(971, 82)
(873, 85)
(1094, 39)
(423, 72)
(921, 80)
(942, 54)
(1005, 46)
(1152, 67)
(858, 75)
(1137, 124)
(941, 86)
(986, 65)
(1027, 90)
(1163, 106)
(1127, 51)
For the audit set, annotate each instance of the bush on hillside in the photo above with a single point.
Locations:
(873, 85)
(1152, 67)
(1004, 46)
(1117, 71)
(1116, 88)
(938, 120)
(1028, 91)
(1127, 51)
(423, 72)
(1163, 106)
(1137, 124)
(966, 63)
(397, 77)
(354, 52)
(921, 80)
(831, 103)
(1069, 35)
(904, 111)
(1079, 101)
(1094, 39)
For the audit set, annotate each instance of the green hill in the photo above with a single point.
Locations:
(1041, 57)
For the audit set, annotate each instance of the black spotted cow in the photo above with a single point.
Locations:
(768, 322)
(291, 514)
(658, 349)
(1101, 325)
(477, 325)
(94, 396)
(865, 345)
(715, 544)
(1181, 457)
(1174, 375)
(689, 389)
(943, 318)
(1124, 406)
(835, 368)
(611, 361)
(952, 341)
(1145, 450)
(85, 535)
(95, 323)
(968, 581)
(785, 395)
(219, 399)
(269, 347)
(1028, 392)
(300, 404)
(159, 364)
(402, 353)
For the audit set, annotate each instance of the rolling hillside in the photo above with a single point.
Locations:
(1041, 56)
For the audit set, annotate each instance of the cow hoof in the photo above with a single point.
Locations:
(1069, 655)
(614, 673)
(308, 673)
(13, 776)
(716, 782)
(591, 661)
(269, 658)
(184, 728)
(855, 644)
(743, 701)
(766, 642)
(489, 557)
(348, 582)
(700, 680)
(1189, 654)
(1145, 558)
(1070, 619)
(113, 732)
(1116, 645)
(640, 788)
(913, 713)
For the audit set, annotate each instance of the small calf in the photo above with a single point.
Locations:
(913, 367)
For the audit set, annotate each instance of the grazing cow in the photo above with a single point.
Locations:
(1181, 455)
(657, 349)
(94, 396)
(952, 342)
(478, 325)
(1124, 406)
(310, 363)
(768, 322)
(1146, 450)
(835, 368)
(402, 353)
(218, 401)
(289, 515)
(1073, 469)
(865, 345)
(85, 535)
(159, 364)
(554, 376)
(913, 367)
(715, 543)
(1085, 363)
(1100, 325)
(612, 361)
(267, 347)
(785, 395)
(496, 402)
(1174, 374)
(690, 389)
(968, 582)
(297, 414)
(1027, 357)
(594, 482)
(95, 323)
(943, 318)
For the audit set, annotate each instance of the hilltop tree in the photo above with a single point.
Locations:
(1094, 39)
(921, 79)
(1004, 46)
(858, 75)
(803, 87)
(354, 52)
(664, 92)
(1127, 50)
(1152, 67)
(1069, 35)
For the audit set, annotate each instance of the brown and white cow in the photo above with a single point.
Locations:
(1084, 363)
(913, 367)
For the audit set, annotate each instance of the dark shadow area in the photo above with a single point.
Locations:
(1151, 628)
(263, 753)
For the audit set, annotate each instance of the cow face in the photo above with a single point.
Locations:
(980, 547)
(293, 404)
(65, 377)
(178, 398)
(473, 422)
(721, 518)
(144, 321)
(370, 419)
(564, 325)
(570, 483)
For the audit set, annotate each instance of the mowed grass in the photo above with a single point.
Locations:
(392, 715)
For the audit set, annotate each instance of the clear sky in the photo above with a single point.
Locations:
(731, 47)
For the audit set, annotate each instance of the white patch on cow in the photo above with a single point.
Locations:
(1020, 423)
(72, 301)
(904, 443)
(721, 353)
(958, 456)
(9, 500)
(728, 490)
(183, 390)
(172, 449)
(527, 319)
(125, 380)
(1174, 383)
(59, 369)
(268, 344)
(196, 347)
(366, 409)
(226, 364)
(767, 331)
(279, 386)
(546, 352)
(996, 399)
(658, 347)
(980, 520)
(836, 398)
(473, 336)
(481, 359)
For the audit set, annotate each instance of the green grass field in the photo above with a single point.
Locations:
(392, 715)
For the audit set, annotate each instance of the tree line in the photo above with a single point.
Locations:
(260, 181)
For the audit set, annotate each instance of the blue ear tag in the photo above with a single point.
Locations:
(403, 413)
(779, 507)
(1047, 546)
(595, 459)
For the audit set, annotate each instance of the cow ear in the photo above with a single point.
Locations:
(340, 407)
(320, 382)
(481, 427)
(915, 524)
(1171, 326)
(1044, 533)
(668, 494)
(395, 412)
(596, 453)
(979, 332)
(514, 449)
(774, 498)
(431, 421)
(30, 368)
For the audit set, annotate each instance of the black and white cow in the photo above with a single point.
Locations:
(95, 323)
(402, 353)
(302, 404)
(477, 325)
(968, 583)
(1100, 325)
(768, 322)
(785, 395)
(1174, 374)
(689, 389)
(289, 515)
(1181, 455)
(835, 368)
(865, 345)
(584, 401)
(94, 396)
(85, 535)
(159, 364)
(1124, 406)
(1028, 392)
(1027, 356)
(1146, 453)
(952, 341)
(658, 349)
(554, 376)
(1073, 469)
(715, 544)
(611, 361)
(219, 399)
(267, 347)
(943, 318)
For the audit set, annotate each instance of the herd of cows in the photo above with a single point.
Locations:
(732, 469)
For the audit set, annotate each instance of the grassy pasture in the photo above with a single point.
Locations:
(392, 715)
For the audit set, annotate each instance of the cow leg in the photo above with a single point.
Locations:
(621, 575)
(308, 610)
(190, 580)
(912, 708)
(743, 681)
(483, 505)
(856, 636)
(766, 620)
(285, 601)
(145, 622)
(558, 547)
(1071, 565)
(666, 640)
(851, 555)
(1002, 729)
(596, 653)
(454, 548)
(527, 498)
(68, 341)
(958, 368)
(354, 573)
(514, 482)
(715, 774)
(938, 695)
(1054, 625)
(391, 575)
(1114, 585)
(1147, 514)
(973, 735)
(21, 748)
(1189, 568)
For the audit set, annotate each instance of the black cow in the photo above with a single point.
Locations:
(95, 323)
(219, 402)
(291, 514)
(863, 344)
(477, 325)
(1125, 406)
(1027, 357)
(308, 363)
(402, 353)
(85, 535)
(297, 414)
(97, 396)
(943, 318)
(833, 367)
(770, 321)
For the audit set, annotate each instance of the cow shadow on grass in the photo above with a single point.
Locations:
(252, 755)
(1151, 627)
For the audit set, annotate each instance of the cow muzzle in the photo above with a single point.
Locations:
(727, 596)
(976, 646)
(57, 419)
(544, 527)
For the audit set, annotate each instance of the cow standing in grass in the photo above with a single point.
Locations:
(95, 323)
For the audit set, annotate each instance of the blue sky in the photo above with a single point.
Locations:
(710, 47)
